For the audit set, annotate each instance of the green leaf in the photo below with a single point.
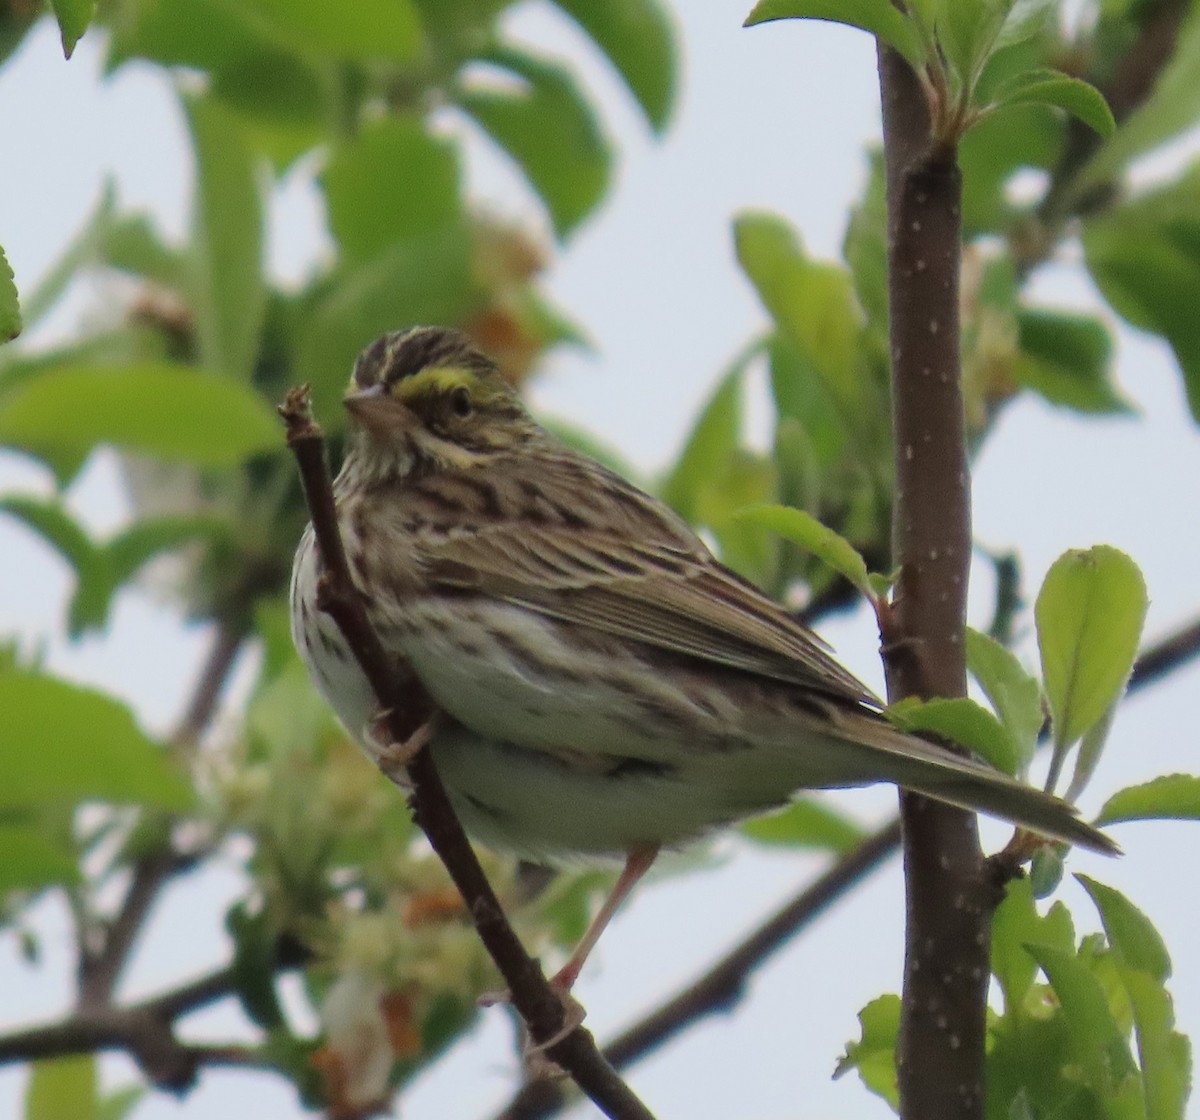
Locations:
(1145, 258)
(132, 244)
(10, 308)
(59, 1088)
(83, 250)
(1050, 87)
(1130, 933)
(155, 408)
(1171, 797)
(1089, 616)
(639, 40)
(231, 294)
(806, 531)
(811, 301)
(1165, 1054)
(51, 521)
(1091, 747)
(962, 720)
(73, 18)
(806, 823)
(390, 182)
(549, 128)
(1016, 924)
(877, 17)
(1046, 871)
(1097, 1042)
(710, 447)
(874, 1055)
(62, 743)
(1016, 696)
(1068, 360)
(1172, 107)
(120, 1102)
(366, 29)
(253, 965)
(30, 859)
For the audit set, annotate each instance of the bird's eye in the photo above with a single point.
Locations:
(460, 402)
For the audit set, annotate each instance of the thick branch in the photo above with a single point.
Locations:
(407, 709)
(940, 1055)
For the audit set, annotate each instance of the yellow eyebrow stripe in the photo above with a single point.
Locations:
(439, 379)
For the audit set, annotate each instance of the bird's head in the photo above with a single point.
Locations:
(429, 396)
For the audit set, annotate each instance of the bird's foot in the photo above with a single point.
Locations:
(538, 1066)
(391, 757)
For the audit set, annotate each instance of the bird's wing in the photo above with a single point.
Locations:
(628, 566)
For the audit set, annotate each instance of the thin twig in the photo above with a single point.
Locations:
(100, 969)
(407, 710)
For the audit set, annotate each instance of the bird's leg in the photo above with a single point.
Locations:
(637, 863)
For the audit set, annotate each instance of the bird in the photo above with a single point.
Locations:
(605, 686)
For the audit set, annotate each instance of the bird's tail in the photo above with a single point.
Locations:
(927, 768)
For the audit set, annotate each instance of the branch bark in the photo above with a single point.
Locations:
(407, 710)
(950, 895)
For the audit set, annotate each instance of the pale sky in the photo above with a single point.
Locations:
(771, 118)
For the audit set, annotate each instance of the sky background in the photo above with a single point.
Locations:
(773, 118)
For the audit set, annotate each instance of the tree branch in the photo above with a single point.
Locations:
(407, 710)
(100, 968)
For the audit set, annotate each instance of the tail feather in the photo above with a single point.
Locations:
(936, 772)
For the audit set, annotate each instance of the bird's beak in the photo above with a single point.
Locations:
(374, 408)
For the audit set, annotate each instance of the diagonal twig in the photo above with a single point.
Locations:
(407, 709)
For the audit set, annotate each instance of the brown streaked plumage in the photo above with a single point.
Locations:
(607, 685)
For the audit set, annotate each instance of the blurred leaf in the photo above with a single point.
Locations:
(120, 1102)
(1016, 924)
(1097, 1042)
(1165, 1054)
(999, 145)
(1068, 360)
(747, 479)
(1016, 696)
(549, 128)
(877, 17)
(1046, 871)
(710, 447)
(60, 742)
(1089, 616)
(966, 33)
(639, 40)
(62, 1089)
(1145, 258)
(253, 965)
(874, 1055)
(390, 182)
(1130, 933)
(73, 18)
(82, 250)
(806, 823)
(131, 244)
(961, 720)
(10, 309)
(366, 29)
(422, 280)
(1050, 87)
(812, 301)
(201, 34)
(230, 299)
(1172, 106)
(865, 245)
(1171, 797)
(800, 395)
(30, 859)
(155, 408)
(806, 531)
(1091, 748)
(55, 525)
